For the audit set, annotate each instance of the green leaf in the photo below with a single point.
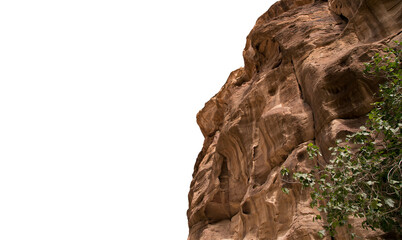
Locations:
(284, 171)
(390, 202)
(285, 190)
(321, 233)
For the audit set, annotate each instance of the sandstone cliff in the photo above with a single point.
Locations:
(302, 82)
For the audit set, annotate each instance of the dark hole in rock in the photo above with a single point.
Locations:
(246, 208)
(301, 156)
(272, 91)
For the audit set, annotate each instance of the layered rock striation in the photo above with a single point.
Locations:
(302, 82)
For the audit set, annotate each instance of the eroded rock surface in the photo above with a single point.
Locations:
(302, 82)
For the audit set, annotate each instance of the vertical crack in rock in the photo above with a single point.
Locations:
(297, 79)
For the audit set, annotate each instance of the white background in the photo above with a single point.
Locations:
(98, 100)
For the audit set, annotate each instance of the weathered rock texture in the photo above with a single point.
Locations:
(302, 82)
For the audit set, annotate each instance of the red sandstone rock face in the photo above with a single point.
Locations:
(302, 82)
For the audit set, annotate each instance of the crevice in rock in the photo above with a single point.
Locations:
(219, 208)
(302, 97)
(297, 79)
(224, 177)
(344, 18)
(394, 6)
(276, 65)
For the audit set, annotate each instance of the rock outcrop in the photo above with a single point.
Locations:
(302, 82)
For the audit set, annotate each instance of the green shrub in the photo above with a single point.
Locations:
(365, 182)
